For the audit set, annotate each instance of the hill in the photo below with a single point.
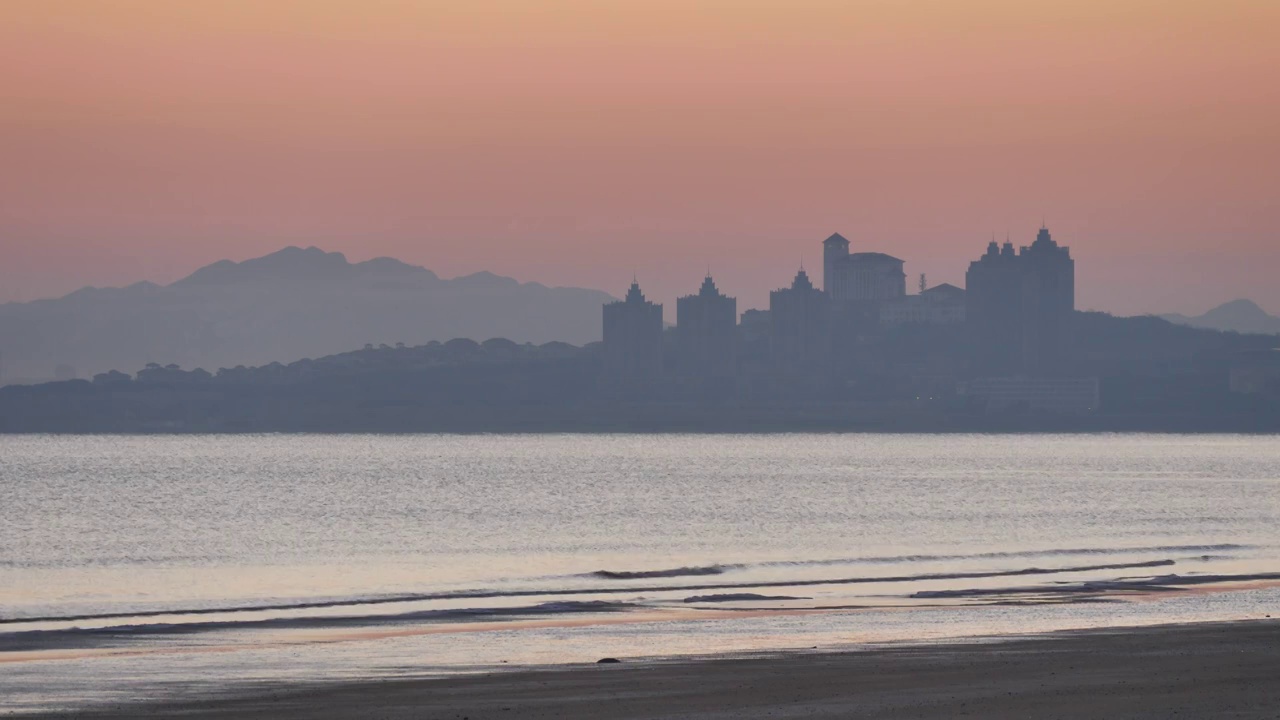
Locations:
(1154, 376)
(295, 303)
(1242, 316)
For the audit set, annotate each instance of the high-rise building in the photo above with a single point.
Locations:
(1019, 307)
(867, 277)
(632, 339)
(706, 333)
(993, 310)
(800, 329)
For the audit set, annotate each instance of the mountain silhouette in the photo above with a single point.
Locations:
(1238, 315)
(291, 304)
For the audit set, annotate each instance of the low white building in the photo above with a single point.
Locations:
(939, 305)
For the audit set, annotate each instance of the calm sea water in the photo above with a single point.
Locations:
(137, 566)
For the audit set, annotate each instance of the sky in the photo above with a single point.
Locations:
(576, 142)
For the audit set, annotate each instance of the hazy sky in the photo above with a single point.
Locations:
(574, 141)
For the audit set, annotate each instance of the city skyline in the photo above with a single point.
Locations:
(574, 144)
(639, 358)
(751, 280)
(757, 296)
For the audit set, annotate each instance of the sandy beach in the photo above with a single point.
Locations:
(1218, 670)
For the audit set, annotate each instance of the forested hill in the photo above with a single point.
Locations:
(1154, 376)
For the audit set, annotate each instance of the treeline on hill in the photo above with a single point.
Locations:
(1155, 375)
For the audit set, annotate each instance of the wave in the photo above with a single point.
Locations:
(571, 592)
(46, 564)
(736, 597)
(720, 569)
(1010, 554)
(1085, 591)
(714, 569)
(673, 572)
(63, 638)
(1092, 590)
(1159, 583)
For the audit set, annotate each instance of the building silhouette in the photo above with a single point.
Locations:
(939, 305)
(800, 330)
(632, 351)
(868, 277)
(754, 327)
(1019, 308)
(706, 333)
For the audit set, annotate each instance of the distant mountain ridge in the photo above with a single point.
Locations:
(1238, 315)
(293, 303)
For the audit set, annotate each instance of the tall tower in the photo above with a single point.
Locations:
(706, 332)
(1020, 307)
(993, 311)
(1049, 296)
(834, 249)
(632, 339)
(800, 330)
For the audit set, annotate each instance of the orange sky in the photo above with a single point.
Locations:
(574, 141)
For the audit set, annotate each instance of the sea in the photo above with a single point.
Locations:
(148, 567)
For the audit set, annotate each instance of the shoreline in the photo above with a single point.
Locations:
(1214, 669)
(872, 417)
(1012, 428)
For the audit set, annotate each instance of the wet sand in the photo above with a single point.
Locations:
(1217, 670)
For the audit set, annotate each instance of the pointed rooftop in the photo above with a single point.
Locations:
(836, 239)
(1043, 238)
(634, 295)
(708, 287)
